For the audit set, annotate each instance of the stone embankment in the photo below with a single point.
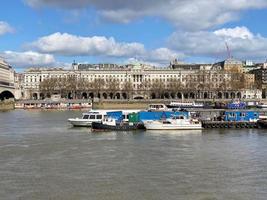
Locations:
(131, 104)
(7, 105)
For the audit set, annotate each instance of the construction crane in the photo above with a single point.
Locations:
(228, 50)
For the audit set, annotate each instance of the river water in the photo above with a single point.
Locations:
(43, 157)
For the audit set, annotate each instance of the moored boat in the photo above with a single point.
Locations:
(236, 104)
(174, 123)
(262, 105)
(262, 123)
(111, 124)
(114, 121)
(185, 105)
(87, 119)
(157, 107)
(96, 116)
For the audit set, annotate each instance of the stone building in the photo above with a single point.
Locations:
(261, 79)
(6, 80)
(138, 81)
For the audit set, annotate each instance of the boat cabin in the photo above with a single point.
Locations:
(157, 107)
(94, 115)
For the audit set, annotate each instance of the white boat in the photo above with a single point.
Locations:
(174, 123)
(87, 119)
(175, 104)
(262, 105)
(157, 107)
(96, 116)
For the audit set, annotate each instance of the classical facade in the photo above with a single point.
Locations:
(139, 81)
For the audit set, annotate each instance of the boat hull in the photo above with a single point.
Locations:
(80, 122)
(262, 123)
(99, 126)
(183, 106)
(262, 106)
(155, 125)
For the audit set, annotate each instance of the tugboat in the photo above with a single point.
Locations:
(114, 122)
(111, 124)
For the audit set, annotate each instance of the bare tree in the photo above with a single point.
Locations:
(158, 88)
(145, 87)
(175, 85)
(98, 85)
(113, 85)
(128, 88)
(48, 86)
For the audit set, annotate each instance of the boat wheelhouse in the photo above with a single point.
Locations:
(157, 107)
(87, 119)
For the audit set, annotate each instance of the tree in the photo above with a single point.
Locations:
(98, 85)
(175, 85)
(48, 86)
(146, 85)
(72, 86)
(128, 88)
(158, 88)
(113, 85)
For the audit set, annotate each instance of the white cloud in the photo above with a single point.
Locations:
(27, 59)
(242, 42)
(99, 46)
(72, 45)
(191, 15)
(163, 55)
(238, 32)
(5, 28)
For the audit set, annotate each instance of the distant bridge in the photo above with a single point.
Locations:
(6, 92)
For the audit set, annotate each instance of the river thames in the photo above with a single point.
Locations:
(43, 157)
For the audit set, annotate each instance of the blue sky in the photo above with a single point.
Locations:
(56, 32)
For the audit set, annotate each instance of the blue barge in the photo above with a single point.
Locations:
(234, 119)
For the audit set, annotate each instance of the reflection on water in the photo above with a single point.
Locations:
(43, 157)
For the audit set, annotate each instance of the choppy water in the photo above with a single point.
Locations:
(42, 157)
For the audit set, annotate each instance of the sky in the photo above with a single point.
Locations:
(57, 32)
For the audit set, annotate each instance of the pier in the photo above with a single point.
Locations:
(229, 124)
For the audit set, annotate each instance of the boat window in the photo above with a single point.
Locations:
(99, 117)
(85, 116)
(166, 122)
(92, 116)
(242, 114)
(123, 117)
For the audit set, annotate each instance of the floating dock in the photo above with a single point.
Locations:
(229, 124)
